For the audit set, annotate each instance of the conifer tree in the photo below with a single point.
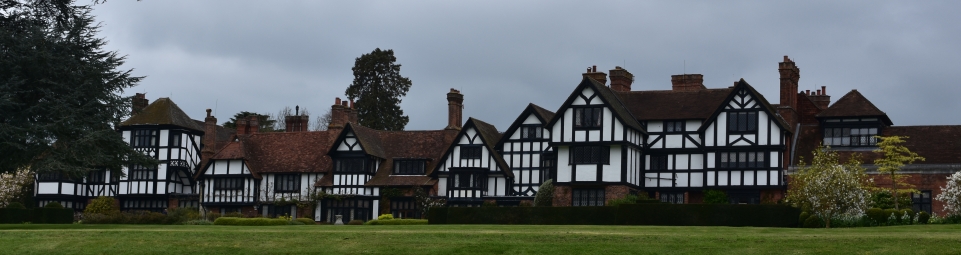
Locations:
(378, 88)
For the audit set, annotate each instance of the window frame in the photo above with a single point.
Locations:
(358, 165)
(175, 139)
(843, 134)
(229, 184)
(672, 197)
(659, 162)
(144, 138)
(675, 126)
(750, 124)
(293, 181)
(471, 152)
(920, 202)
(596, 120)
(724, 160)
(402, 167)
(588, 197)
(141, 173)
(527, 130)
(602, 154)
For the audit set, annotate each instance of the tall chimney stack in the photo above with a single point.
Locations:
(821, 99)
(687, 82)
(790, 74)
(209, 140)
(297, 122)
(621, 79)
(338, 115)
(455, 109)
(139, 103)
(594, 74)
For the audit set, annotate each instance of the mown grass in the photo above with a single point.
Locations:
(475, 239)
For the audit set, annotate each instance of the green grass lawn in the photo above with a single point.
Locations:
(475, 239)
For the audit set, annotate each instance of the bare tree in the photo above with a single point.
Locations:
(281, 115)
(322, 122)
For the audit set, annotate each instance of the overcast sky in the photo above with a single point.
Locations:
(261, 56)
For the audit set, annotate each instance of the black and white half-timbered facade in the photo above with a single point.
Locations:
(472, 171)
(525, 146)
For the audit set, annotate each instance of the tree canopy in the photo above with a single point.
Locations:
(265, 122)
(830, 189)
(378, 88)
(60, 91)
(894, 157)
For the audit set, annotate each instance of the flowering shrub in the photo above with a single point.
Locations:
(829, 189)
(12, 184)
(951, 195)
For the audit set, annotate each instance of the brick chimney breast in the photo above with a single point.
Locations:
(455, 109)
(594, 74)
(621, 79)
(139, 103)
(338, 115)
(821, 99)
(687, 82)
(209, 140)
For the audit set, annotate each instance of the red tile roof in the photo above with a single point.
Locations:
(938, 144)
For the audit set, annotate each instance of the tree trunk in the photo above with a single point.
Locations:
(894, 191)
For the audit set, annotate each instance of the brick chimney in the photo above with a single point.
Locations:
(455, 109)
(821, 98)
(338, 115)
(209, 140)
(352, 113)
(594, 74)
(790, 75)
(139, 103)
(621, 79)
(297, 122)
(248, 125)
(687, 82)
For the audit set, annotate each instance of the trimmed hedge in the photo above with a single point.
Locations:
(306, 221)
(234, 221)
(633, 214)
(36, 215)
(397, 222)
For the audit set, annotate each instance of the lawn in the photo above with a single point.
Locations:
(470, 239)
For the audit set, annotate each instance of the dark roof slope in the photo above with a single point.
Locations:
(427, 145)
(544, 114)
(293, 152)
(607, 95)
(163, 112)
(937, 144)
(673, 105)
(369, 139)
(854, 104)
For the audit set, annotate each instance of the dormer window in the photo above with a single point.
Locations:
(287, 183)
(850, 136)
(742, 122)
(409, 166)
(589, 117)
(350, 165)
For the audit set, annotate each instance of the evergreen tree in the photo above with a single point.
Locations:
(60, 91)
(265, 123)
(378, 87)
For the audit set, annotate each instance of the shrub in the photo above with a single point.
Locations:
(294, 222)
(397, 222)
(102, 205)
(804, 216)
(712, 196)
(877, 216)
(355, 222)
(923, 217)
(489, 203)
(14, 215)
(907, 216)
(99, 218)
(16, 205)
(235, 215)
(236, 221)
(54, 205)
(545, 194)
(385, 217)
(143, 217)
(49, 215)
(213, 216)
(182, 214)
(626, 200)
(813, 222)
(438, 215)
(306, 221)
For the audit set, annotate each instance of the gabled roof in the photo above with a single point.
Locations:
(673, 105)
(279, 152)
(854, 104)
(765, 105)
(489, 136)
(163, 112)
(532, 109)
(427, 145)
(369, 139)
(605, 94)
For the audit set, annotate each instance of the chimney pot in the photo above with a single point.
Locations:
(688, 82)
(824, 90)
(337, 101)
(621, 79)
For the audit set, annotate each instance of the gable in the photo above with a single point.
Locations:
(590, 92)
(480, 134)
(745, 97)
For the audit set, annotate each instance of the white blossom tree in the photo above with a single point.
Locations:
(951, 194)
(12, 185)
(829, 188)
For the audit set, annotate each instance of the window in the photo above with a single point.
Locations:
(468, 180)
(409, 166)
(355, 165)
(587, 197)
(287, 183)
(53, 176)
(138, 172)
(144, 138)
(531, 132)
(229, 184)
(742, 122)
(404, 208)
(658, 162)
(850, 136)
(547, 166)
(590, 155)
(143, 205)
(349, 209)
(588, 117)
(470, 152)
(673, 198)
(97, 176)
(742, 160)
(674, 126)
(921, 201)
(175, 139)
